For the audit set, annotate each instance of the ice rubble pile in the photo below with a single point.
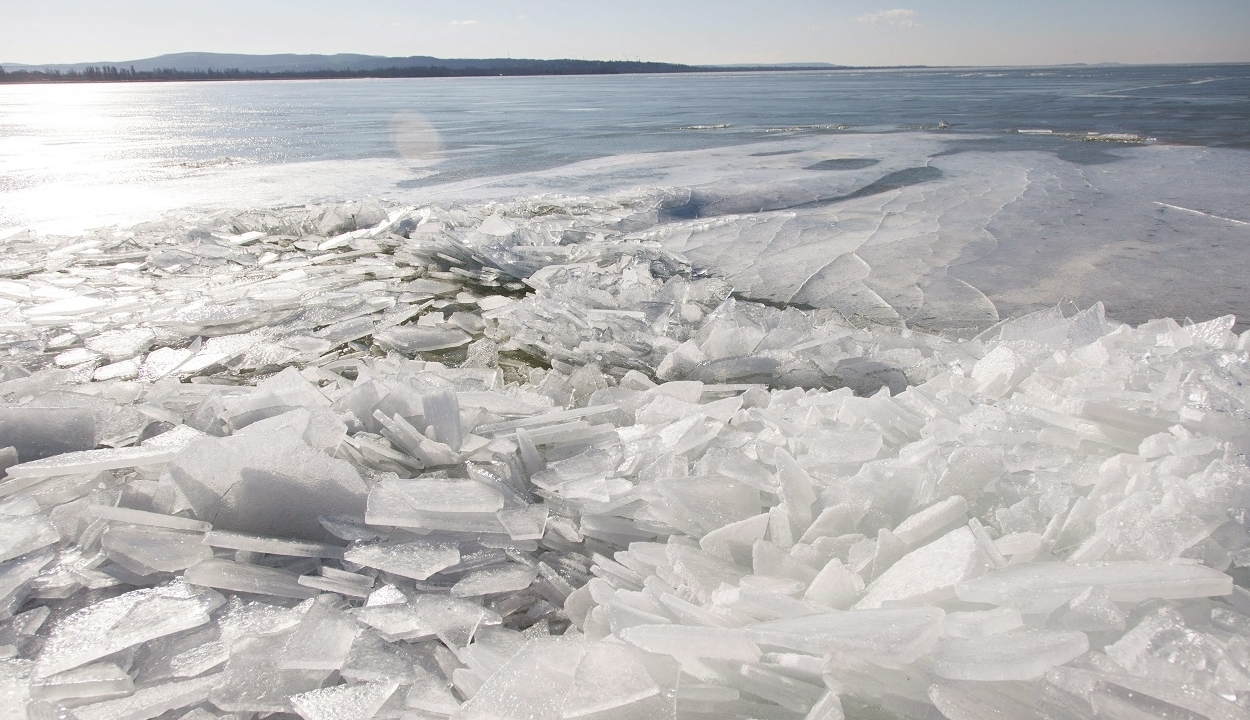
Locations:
(257, 470)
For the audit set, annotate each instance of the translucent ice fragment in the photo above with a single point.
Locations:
(1023, 655)
(271, 546)
(690, 642)
(528, 522)
(149, 702)
(533, 684)
(710, 502)
(969, 701)
(610, 676)
(981, 623)
(151, 519)
(77, 306)
(936, 518)
(98, 681)
(442, 413)
(242, 577)
(734, 541)
(928, 573)
(147, 550)
(84, 461)
(412, 339)
(322, 640)
(14, 576)
(436, 504)
(836, 586)
(254, 681)
(1044, 586)
(887, 636)
(185, 655)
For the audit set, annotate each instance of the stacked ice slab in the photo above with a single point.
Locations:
(344, 463)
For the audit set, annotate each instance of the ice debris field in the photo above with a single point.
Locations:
(526, 460)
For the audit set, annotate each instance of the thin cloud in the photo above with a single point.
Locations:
(464, 22)
(898, 17)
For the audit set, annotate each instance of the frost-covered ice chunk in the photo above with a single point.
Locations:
(343, 702)
(124, 621)
(14, 688)
(23, 534)
(121, 344)
(417, 559)
(492, 580)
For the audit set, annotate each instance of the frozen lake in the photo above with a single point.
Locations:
(605, 399)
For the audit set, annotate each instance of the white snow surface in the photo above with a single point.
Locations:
(549, 458)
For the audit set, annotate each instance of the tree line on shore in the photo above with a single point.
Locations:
(111, 73)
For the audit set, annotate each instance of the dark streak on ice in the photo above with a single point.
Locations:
(843, 164)
(702, 205)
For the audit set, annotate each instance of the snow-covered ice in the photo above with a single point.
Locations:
(556, 458)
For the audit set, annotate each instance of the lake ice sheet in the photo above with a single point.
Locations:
(825, 427)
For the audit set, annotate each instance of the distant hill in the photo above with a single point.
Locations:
(347, 63)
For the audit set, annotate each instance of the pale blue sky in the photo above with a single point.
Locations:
(853, 32)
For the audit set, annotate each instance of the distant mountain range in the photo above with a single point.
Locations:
(351, 64)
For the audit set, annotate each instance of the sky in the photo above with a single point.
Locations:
(851, 32)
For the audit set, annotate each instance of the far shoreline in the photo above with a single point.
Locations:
(114, 74)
